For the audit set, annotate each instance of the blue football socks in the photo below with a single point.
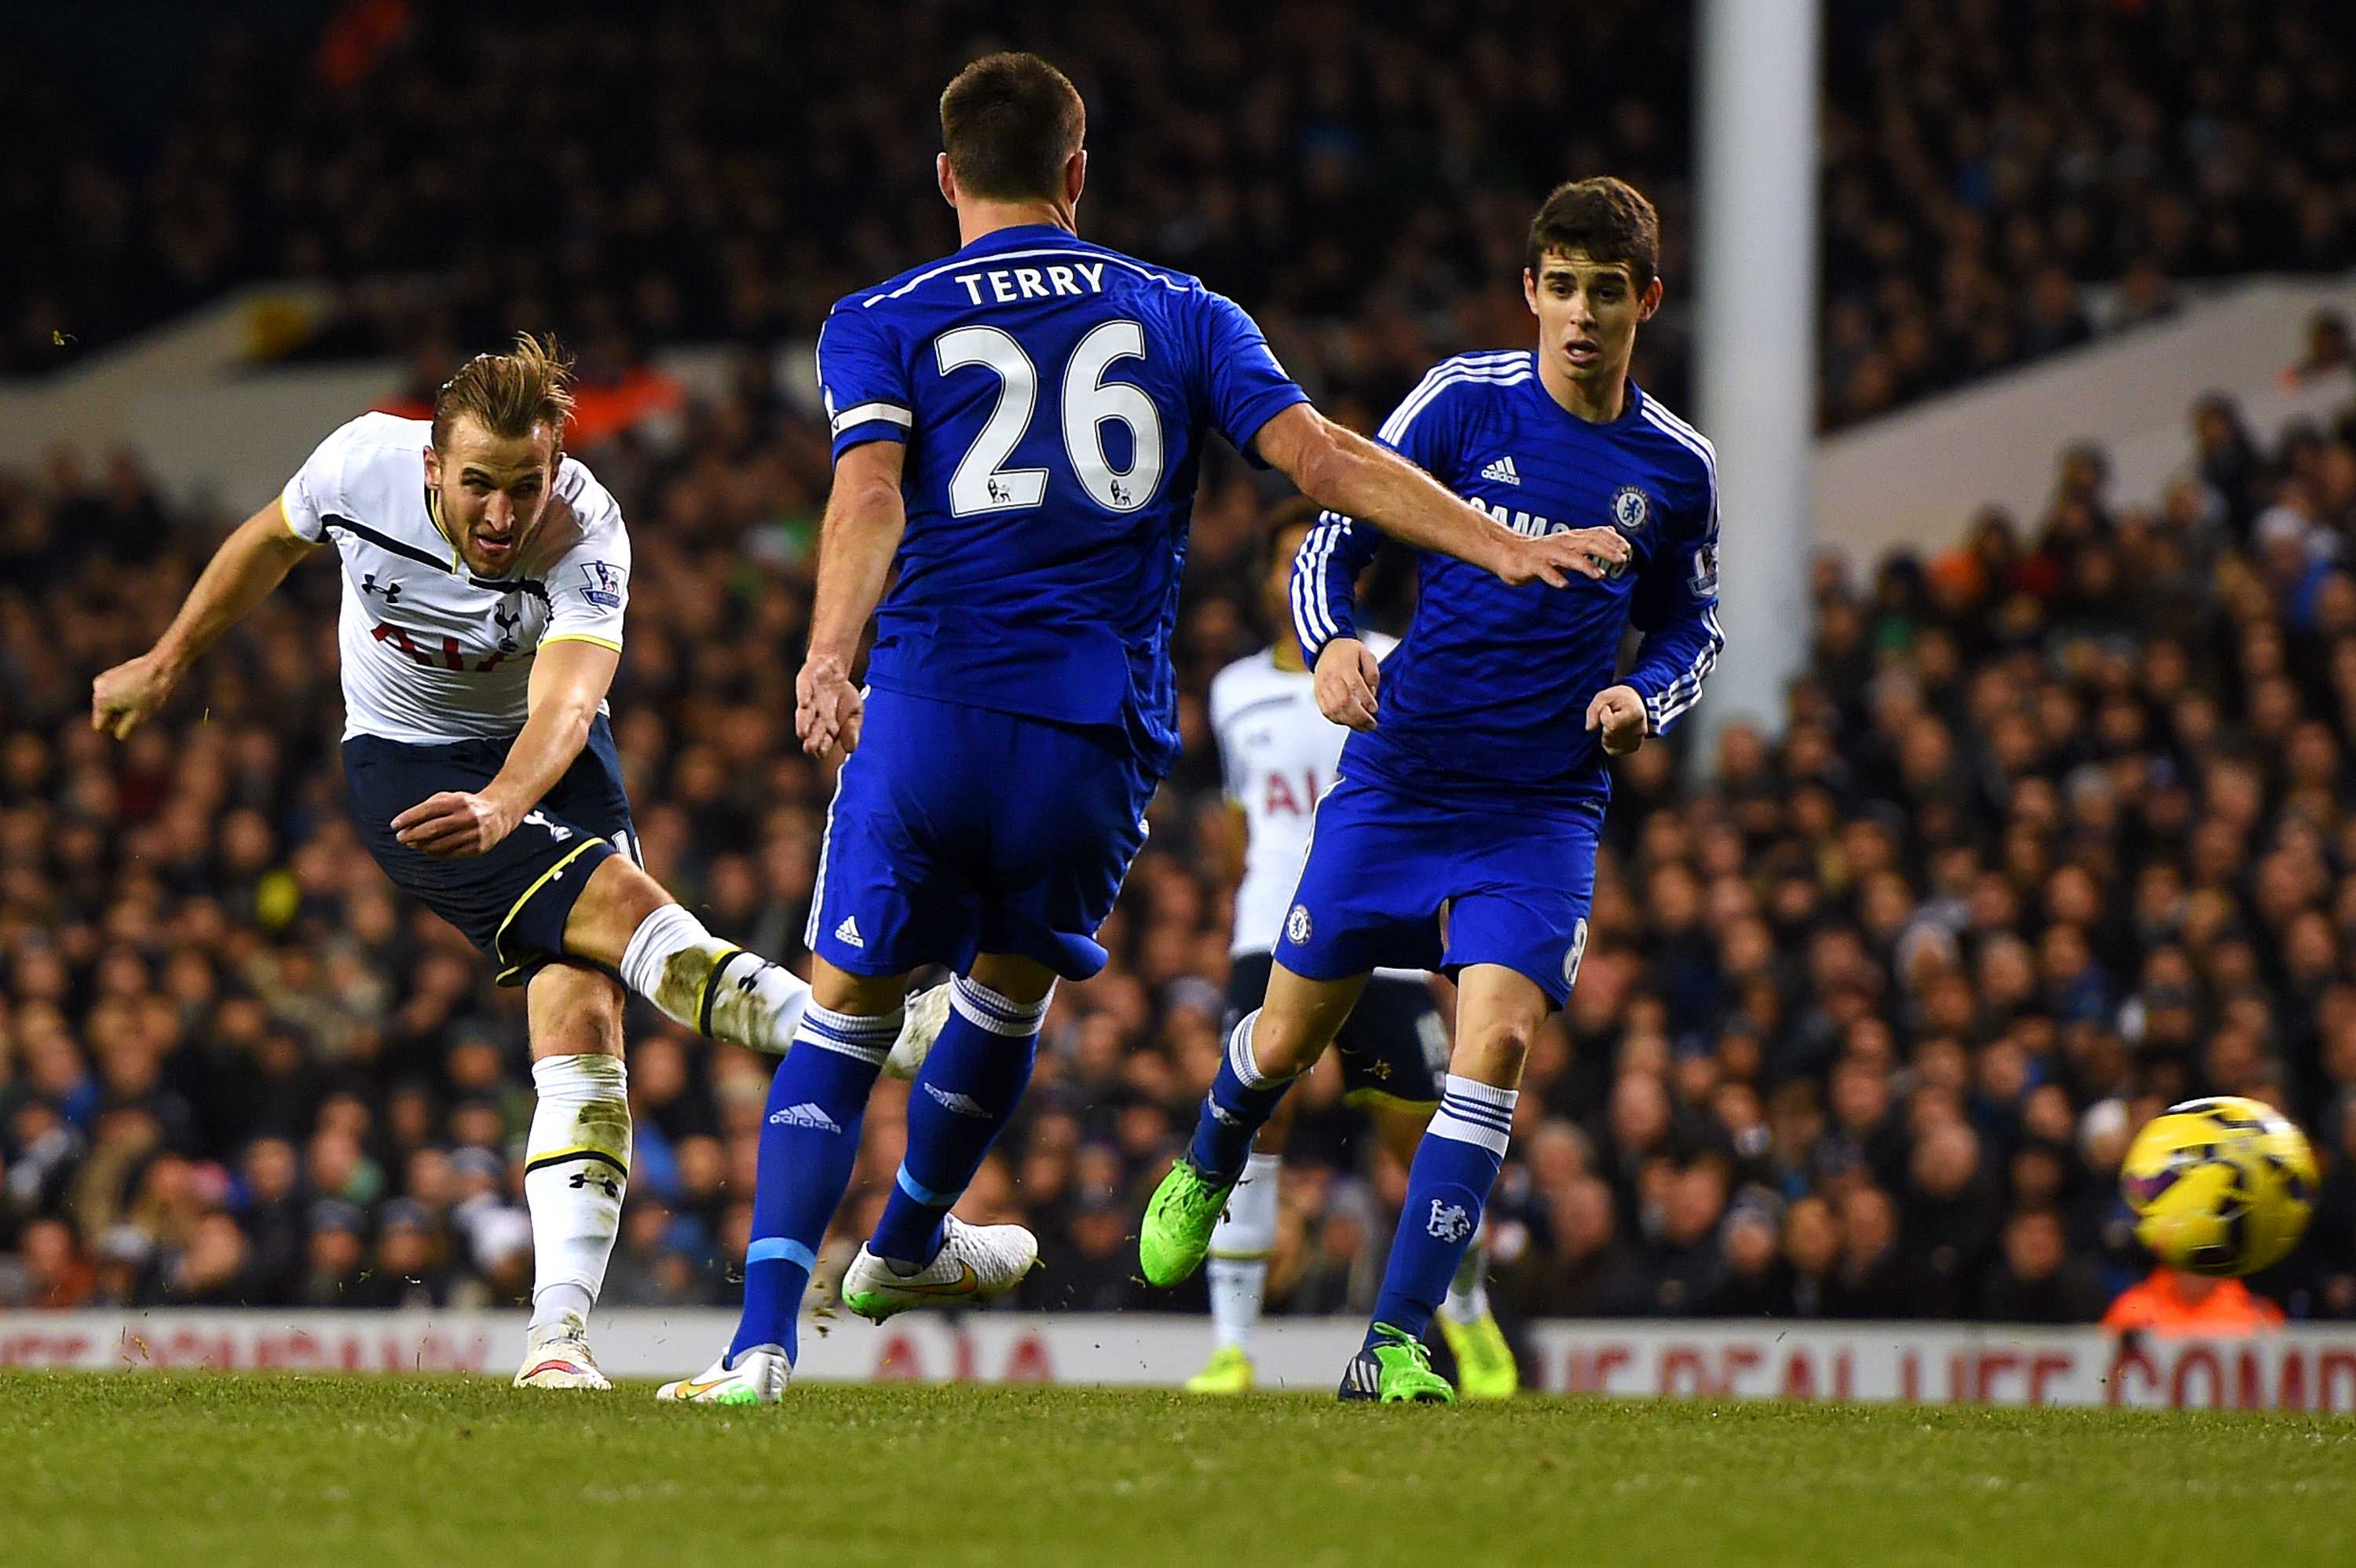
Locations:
(964, 1096)
(1240, 1102)
(1455, 1166)
(808, 1145)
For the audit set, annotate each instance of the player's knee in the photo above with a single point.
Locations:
(861, 995)
(1494, 1049)
(1017, 978)
(574, 1012)
(1285, 1044)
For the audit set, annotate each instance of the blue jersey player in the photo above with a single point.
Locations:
(1017, 429)
(1461, 836)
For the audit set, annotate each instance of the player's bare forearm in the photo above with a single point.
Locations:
(865, 518)
(1344, 472)
(252, 560)
(569, 679)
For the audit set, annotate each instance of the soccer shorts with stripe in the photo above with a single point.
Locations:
(512, 902)
(959, 830)
(1396, 880)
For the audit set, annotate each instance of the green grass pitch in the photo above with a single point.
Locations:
(197, 1469)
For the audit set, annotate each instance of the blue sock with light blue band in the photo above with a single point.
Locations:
(1447, 1186)
(809, 1143)
(964, 1096)
(1242, 1099)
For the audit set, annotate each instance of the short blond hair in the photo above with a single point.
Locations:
(509, 394)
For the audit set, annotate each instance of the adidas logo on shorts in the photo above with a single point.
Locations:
(806, 1115)
(847, 933)
(1502, 471)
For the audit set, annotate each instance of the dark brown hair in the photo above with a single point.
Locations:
(1008, 123)
(1608, 218)
(1292, 512)
(509, 394)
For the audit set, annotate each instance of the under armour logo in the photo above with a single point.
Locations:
(604, 1183)
(392, 590)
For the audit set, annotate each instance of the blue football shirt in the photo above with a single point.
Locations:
(1487, 695)
(1053, 396)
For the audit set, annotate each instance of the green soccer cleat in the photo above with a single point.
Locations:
(1397, 1369)
(1178, 1223)
(1485, 1367)
(1228, 1370)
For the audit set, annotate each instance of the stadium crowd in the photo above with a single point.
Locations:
(2054, 835)
(2002, 178)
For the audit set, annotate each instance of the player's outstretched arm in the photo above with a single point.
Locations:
(569, 679)
(1343, 471)
(865, 520)
(252, 561)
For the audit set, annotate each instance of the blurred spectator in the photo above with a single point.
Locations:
(2053, 834)
(2175, 1305)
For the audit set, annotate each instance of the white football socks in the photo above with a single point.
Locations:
(1468, 1292)
(1240, 1243)
(714, 987)
(577, 1166)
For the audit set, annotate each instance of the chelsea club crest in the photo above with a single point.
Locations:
(1631, 508)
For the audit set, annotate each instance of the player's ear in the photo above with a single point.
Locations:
(1530, 290)
(945, 178)
(432, 467)
(1076, 175)
(1650, 300)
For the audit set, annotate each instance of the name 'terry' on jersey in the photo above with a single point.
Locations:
(1053, 396)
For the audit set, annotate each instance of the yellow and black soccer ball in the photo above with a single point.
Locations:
(2220, 1186)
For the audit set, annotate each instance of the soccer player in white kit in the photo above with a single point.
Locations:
(486, 574)
(1280, 755)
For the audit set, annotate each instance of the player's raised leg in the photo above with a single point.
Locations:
(1498, 1012)
(1485, 1367)
(1265, 1051)
(577, 1166)
(965, 1094)
(624, 920)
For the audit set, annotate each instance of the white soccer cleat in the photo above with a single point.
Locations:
(975, 1263)
(927, 1011)
(759, 1377)
(558, 1357)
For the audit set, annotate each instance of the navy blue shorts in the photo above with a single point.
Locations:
(1392, 880)
(1394, 1048)
(513, 901)
(959, 830)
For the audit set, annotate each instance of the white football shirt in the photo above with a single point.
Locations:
(431, 651)
(1280, 756)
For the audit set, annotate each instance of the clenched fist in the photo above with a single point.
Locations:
(127, 696)
(1346, 678)
(1619, 713)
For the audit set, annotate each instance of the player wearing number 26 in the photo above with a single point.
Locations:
(1016, 430)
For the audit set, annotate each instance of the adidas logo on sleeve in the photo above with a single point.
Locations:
(847, 933)
(1502, 471)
